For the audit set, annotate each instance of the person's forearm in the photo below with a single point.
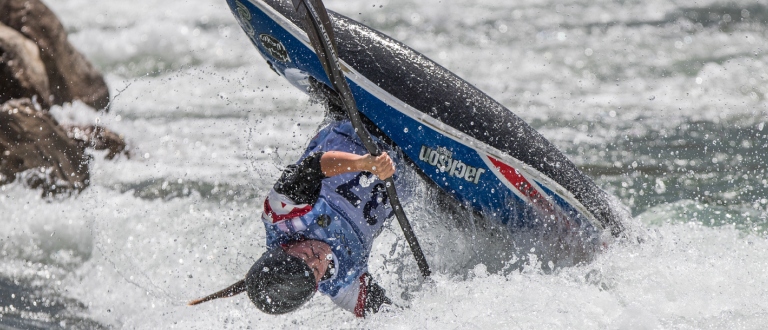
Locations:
(338, 162)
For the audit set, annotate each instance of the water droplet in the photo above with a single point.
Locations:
(744, 13)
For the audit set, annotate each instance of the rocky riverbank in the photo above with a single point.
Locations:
(39, 69)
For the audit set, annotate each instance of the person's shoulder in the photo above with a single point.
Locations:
(342, 127)
(330, 129)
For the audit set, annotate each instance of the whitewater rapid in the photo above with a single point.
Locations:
(662, 102)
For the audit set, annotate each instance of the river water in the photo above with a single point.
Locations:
(662, 102)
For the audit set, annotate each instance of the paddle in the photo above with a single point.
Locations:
(320, 32)
(230, 291)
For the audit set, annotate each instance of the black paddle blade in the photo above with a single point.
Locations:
(230, 291)
(320, 31)
(317, 22)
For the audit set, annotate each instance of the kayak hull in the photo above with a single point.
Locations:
(465, 142)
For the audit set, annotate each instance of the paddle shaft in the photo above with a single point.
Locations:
(318, 26)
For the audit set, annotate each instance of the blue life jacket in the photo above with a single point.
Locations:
(349, 214)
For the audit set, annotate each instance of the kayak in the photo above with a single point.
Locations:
(462, 140)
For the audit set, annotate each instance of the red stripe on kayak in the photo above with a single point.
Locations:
(516, 179)
(522, 184)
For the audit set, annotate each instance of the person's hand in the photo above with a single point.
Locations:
(377, 296)
(382, 166)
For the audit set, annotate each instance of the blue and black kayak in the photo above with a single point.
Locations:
(458, 137)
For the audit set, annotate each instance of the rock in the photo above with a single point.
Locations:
(34, 147)
(38, 63)
(70, 75)
(99, 138)
(22, 73)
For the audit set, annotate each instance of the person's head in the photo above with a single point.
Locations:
(283, 279)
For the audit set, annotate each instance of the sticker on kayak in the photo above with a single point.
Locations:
(244, 17)
(274, 47)
(442, 158)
